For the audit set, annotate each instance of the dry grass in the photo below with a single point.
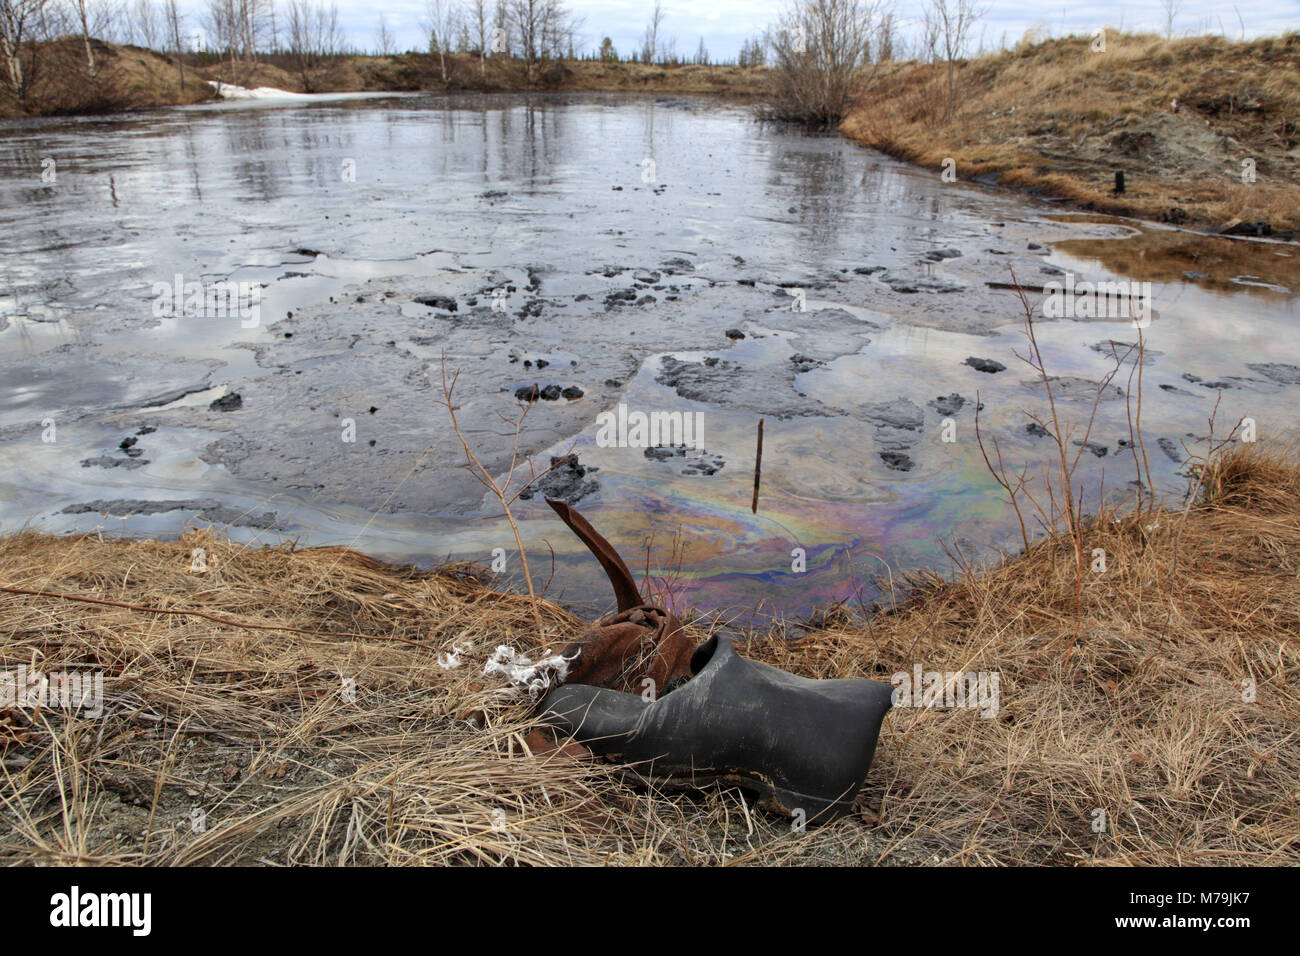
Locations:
(1058, 118)
(1146, 721)
(425, 766)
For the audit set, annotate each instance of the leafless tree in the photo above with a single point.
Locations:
(240, 28)
(20, 25)
(559, 31)
(952, 22)
(147, 24)
(929, 41)
(85, 13)
(668, 50)
(440, 18)
(544, 30)
(255, 25)
(315, 39)
(222, 22)
(819, 48)
(525, 18)
(1172, 9)
(885, 37)
(174, 19)
(480, 20)
(384, 39)
(650, 42)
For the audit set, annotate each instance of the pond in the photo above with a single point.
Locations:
(673, 256)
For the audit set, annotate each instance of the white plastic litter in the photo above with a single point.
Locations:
(451, 660)
(536, 678)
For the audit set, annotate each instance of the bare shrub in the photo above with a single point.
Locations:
(818, 51)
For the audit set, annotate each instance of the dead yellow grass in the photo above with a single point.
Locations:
(1174, 714)
(1059, 118)
(124, 78)
(146, 79)
(257, 731)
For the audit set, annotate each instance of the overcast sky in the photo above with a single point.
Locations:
(724, 24)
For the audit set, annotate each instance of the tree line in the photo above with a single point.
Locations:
(819, 51)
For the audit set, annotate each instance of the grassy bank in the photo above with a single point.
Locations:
(308, 720)
(418, 71)
(59, 81)
(1059, 118)
(134, 78)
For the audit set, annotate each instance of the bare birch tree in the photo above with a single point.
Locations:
(174, 19)
(650, 40)
(480, 18)
(20, 21)
(82, 10)
(440, 22)
(1172, 9)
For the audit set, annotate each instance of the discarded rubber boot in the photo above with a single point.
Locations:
(642, 647)
(801, 744)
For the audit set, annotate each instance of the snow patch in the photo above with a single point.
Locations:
(228, 91)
